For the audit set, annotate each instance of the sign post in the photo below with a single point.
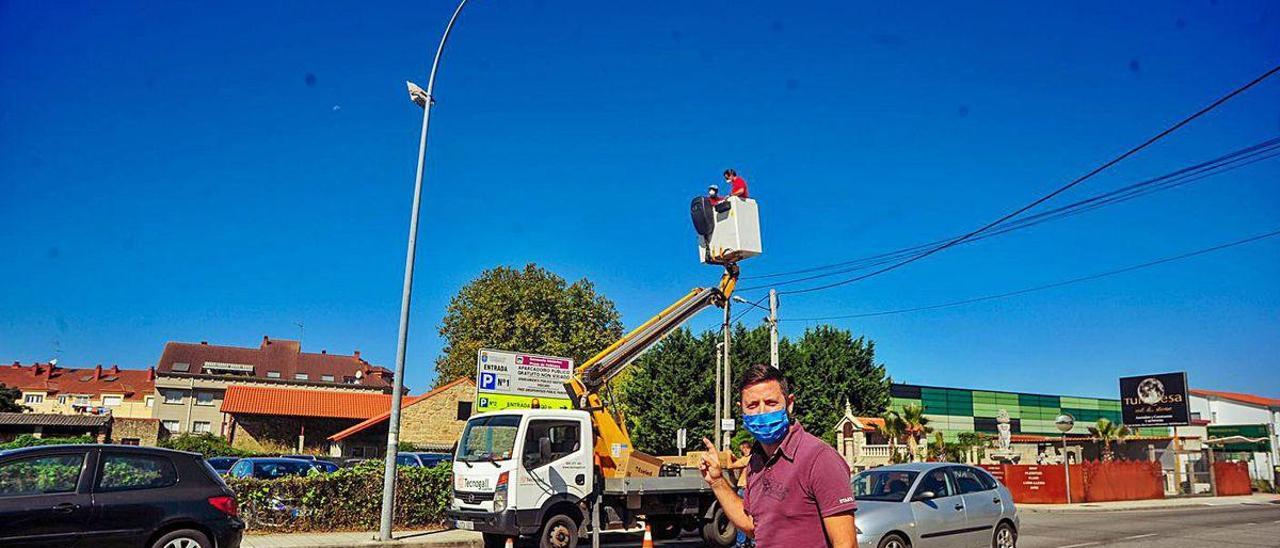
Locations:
(506, 380)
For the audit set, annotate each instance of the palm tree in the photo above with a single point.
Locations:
(1106, 432)
(892, 429)
(916, 427)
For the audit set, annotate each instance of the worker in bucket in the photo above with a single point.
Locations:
(737, 185)
(798, 490)
(713, 194)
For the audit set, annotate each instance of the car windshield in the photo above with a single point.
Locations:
(280, 468)
(489, 438)
(883, 485)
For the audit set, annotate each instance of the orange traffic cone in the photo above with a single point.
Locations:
(648, 536)
(510, 543)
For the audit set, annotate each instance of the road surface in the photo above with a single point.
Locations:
(1191, 527)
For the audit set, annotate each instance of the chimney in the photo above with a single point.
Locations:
(151, 374)
(115, 369)
(16, 365)
(204, 343)
(357, 354)
(323, 351)
(35, 370)
(265, 341)
(97, 372)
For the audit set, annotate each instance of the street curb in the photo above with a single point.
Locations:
(1163, 504)
(447, 538)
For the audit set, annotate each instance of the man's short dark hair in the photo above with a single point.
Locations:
(730, 173)
(759, 373)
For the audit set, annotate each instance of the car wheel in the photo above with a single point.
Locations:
(893, 540)
(1004, 537)
(183, 538)
(559, 532)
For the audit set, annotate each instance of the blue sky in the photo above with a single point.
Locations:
(172, 171)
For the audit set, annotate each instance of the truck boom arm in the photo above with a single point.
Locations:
(611, 436)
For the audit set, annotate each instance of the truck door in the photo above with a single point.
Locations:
(555, 460)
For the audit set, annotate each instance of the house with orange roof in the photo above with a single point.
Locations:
(296, 419)
(51, 388)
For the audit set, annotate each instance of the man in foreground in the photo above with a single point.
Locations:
(798, 490)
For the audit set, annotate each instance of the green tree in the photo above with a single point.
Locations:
(528, 310)
(827, 367)
(205, 443)
(9, 398)
(1107, 432)
(893, 429)
(671, 386)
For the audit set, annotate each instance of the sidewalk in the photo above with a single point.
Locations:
(1158, 504)
(448, 538)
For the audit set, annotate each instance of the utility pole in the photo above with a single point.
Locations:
(719, 389)
(773, 328)
(725, 414)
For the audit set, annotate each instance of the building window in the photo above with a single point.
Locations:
(150, 401)
(350, 380)
(62, 400)
(200, 427)
(326, 378)
(181, 367)
(301, 376)
(172, 396)
(111, 401)
(273, 374)
(172, 426)
(82, 400)
(204, 398)
(33, 398)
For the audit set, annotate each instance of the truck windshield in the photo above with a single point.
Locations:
(883, 485)
(489, 438)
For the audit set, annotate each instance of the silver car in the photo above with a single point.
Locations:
(922, 505)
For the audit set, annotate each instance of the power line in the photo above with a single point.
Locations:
(1216, 166)
(1049, 196)
(1046, 286)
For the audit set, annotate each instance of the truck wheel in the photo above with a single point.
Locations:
(559, 532)
(719, 531)
(665, 528)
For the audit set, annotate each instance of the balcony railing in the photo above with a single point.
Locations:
(875, 451)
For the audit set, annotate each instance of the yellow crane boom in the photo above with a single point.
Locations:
(611, 438)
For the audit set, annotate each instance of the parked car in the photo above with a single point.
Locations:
(114, 496)
(222, 464)
(424, 460)
(270, 467)
(920, 505)
(326, 466)
(301, 457)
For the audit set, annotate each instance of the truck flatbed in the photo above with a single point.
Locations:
(655, 486)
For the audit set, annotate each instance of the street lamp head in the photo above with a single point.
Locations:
(1064, 422)
(740, 299)
(417, 94)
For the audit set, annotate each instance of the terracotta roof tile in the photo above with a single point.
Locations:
(277, 355)
(300, 402)
(387, 414)
(133, 384)
(1236, 396)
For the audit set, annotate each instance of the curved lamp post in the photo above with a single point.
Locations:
(425, 99)
(1065, 423)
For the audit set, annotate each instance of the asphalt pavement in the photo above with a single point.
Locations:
(1198, 526)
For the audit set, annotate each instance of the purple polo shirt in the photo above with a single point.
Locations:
(790, 492)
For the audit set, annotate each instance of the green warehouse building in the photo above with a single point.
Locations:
(955, 410)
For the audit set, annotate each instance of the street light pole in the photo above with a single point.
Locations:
(426, 100)
(773, 328)
(1065, 422)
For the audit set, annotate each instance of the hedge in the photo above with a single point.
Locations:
(28, 440)
(347, 500)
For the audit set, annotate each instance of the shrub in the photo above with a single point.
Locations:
(206, 444)
(28, 440)
(349, 499)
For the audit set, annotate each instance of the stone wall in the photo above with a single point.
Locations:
(434, 422)
(279, 434)
(146, 431)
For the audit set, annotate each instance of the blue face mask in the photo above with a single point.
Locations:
(768, 428)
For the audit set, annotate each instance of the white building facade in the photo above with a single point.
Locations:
(1231, 408)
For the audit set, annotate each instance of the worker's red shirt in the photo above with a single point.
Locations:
(739, 187)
